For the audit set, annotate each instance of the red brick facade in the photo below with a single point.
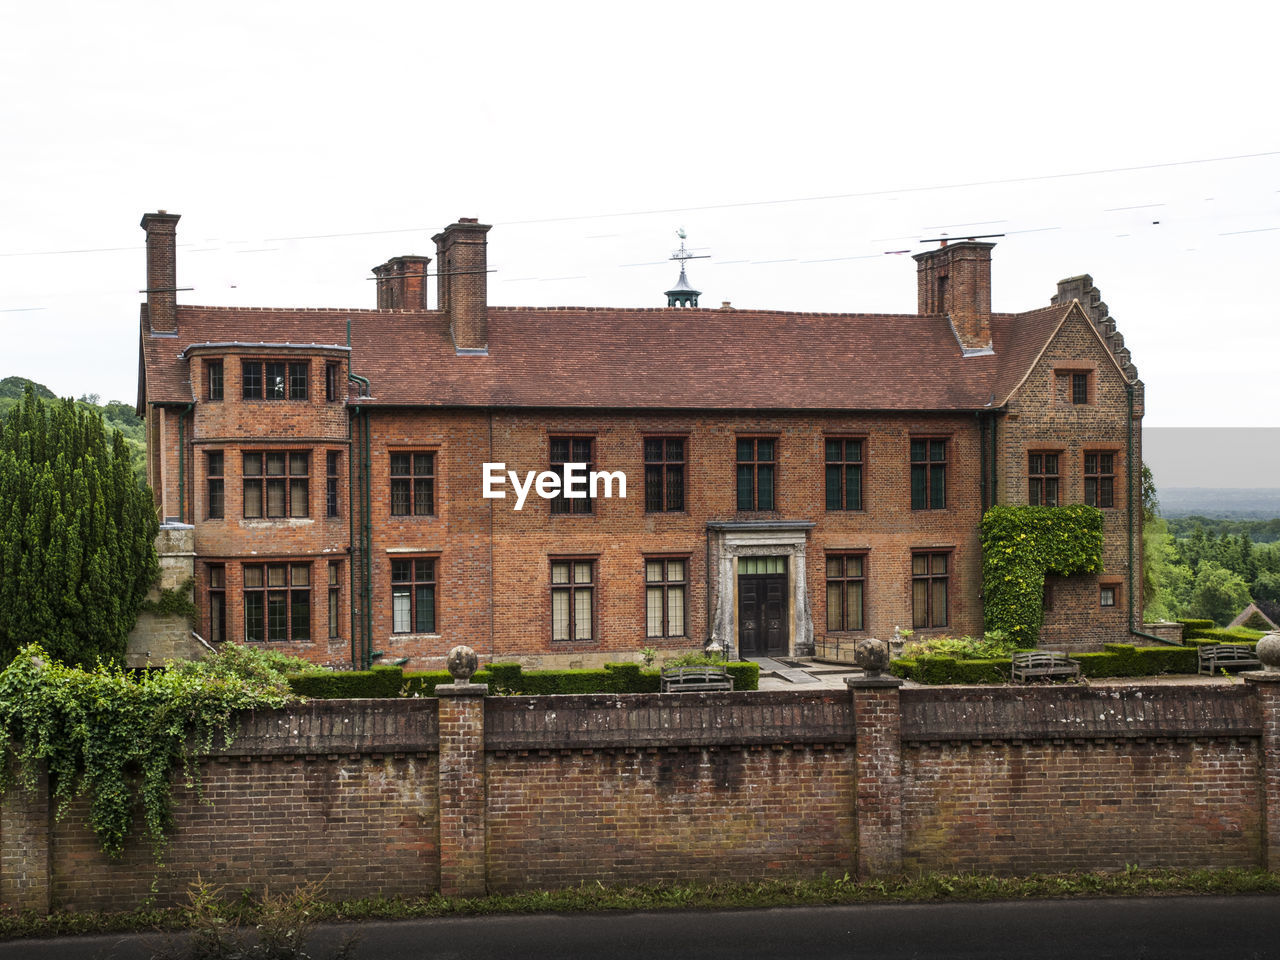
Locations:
(348, 519)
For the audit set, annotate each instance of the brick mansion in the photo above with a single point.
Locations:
(792, 480)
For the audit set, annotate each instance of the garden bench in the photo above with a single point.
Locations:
(1222, 656)
(695, 679)
(1034, 664)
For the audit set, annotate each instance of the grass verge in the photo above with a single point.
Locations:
(593, 897)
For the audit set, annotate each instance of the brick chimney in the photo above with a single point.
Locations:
(162, 271)
(402, 283)
(955, 280)
(461, 267)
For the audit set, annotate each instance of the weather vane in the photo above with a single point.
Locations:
(683, 254)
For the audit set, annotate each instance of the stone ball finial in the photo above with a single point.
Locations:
(871, 655)
(462, 663)
(1269, 652)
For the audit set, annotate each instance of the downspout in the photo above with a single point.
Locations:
(367, 534)
(1128, 469)
(361, 640)
(182, 472)
(351, 527)
(982, 456)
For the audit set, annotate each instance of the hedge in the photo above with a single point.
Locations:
(1115, 660)
(501, 678)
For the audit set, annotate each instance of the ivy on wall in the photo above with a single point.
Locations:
(173, 601)
(118, 737)
(1022, 544)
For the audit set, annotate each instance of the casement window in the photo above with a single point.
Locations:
(844, 474)
(332, 463)
(1074, 387)
(413, 484)
(216, 499)
(333, 381)
(277, 602)
(1042, 479)
(1108, 594)
(217, 603)
(277, 484)
(413, 595)
(571, 450)
(929, 589)
(213, 380)
(274, 379)
(1099, 478)
(846, 591)
(928, 474)
(663, 474)
(665, 595)
(335, 598)
(572, 600)
(757, 469)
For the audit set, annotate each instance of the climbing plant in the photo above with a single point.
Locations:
(120, 738)
(1019, 546)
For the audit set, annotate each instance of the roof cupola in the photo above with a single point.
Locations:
(683, 294)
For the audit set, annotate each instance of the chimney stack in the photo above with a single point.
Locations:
(462, 281)
(955, 280)
(162, 271)
(402, 283)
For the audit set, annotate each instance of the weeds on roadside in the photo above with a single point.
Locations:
(276, 927)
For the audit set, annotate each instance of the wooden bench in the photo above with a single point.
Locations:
(1036, 664)
(1227, 656)
(695, 679)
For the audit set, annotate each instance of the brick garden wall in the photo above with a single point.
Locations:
(468, 793)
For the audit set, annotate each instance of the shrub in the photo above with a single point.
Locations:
(995, 643)
(502, 678)
(941, 669)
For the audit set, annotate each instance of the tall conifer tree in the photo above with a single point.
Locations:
(77, 534)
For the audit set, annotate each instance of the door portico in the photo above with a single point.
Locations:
(760, 604)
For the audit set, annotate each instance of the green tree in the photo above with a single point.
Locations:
(77, 534)
(1219, 594)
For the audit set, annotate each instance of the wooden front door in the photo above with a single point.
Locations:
(762, 615)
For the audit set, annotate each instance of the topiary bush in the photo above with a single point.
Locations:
(1019, 546)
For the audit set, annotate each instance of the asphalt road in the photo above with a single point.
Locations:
(1195, 928)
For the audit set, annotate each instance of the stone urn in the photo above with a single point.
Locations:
(871, 655)
(462, 663)
(1269, 652)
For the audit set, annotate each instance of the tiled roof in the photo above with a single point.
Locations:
(637, 358)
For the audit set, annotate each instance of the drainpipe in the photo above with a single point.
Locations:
(182, 472)
(362, 639)
(351, 527)
(1129, 498)
(982, 456)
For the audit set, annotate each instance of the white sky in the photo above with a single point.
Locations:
(771, 132)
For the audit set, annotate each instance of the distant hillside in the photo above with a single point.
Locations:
(1225, 503)
(117, 415)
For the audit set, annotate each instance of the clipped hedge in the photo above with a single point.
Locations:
(1115, 660)
(1190, 626)
(501, 678)
(1225, 635)
(938, 669)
